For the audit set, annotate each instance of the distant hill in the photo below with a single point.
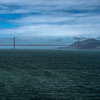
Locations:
(86, 44)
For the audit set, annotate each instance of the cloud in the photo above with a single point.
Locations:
(50, 17)
(47, 6)
(53, 30)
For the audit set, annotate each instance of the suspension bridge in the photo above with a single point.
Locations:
(11, 42)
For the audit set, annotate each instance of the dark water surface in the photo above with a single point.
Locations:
(49, 75)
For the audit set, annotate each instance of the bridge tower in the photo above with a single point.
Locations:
(14, 43)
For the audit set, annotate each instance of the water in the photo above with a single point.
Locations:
(49, 75)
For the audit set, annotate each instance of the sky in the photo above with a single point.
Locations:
(49, 18)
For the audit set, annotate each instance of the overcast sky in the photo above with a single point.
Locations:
(40, 18)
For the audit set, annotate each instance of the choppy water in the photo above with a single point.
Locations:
(49, 75)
